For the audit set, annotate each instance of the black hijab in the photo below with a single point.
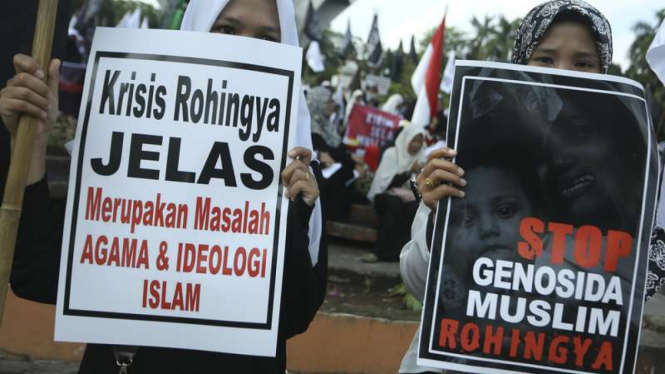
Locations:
(538, 20)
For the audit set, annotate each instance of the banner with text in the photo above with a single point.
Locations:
(381, 84)
(542, 266)
(370, 126)
(175, 221)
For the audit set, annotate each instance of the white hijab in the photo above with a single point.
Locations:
(393, 103)
(397, 159)
(200, 16)
(349, 104)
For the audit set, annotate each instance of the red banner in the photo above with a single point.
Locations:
(370, 126)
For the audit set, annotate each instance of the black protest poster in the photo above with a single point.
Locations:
(541, 267)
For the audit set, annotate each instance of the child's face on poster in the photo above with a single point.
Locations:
(486, 222)
(257, 19)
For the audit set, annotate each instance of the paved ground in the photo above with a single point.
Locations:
(13, 364)
(344, 260)
(345, 255)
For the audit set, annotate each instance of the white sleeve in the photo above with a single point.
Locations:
(315, 231)
(414, 259)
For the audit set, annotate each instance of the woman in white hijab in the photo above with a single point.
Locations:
(35, 271)
(207, 16)
(394, 202)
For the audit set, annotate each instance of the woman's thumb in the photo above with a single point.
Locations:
(54, 75)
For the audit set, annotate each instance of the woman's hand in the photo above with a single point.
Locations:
(438, 177)
(27, 94)
(326, 159)
(297, 179)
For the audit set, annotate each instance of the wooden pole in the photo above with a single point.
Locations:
(12, 202)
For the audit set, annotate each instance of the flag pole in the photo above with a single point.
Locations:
(12, 202)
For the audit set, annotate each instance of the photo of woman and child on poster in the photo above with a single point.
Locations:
(539, 262)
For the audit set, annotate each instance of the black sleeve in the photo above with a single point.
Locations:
(36, 264)
(341, 154)
(304, 285)
(399, 180)
(319, 144)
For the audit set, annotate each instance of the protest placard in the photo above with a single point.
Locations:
(542, 266)
(175, 224)
(382, 84)
(370, 126)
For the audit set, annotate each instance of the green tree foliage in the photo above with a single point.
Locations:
(494, 39)
(403, 87)
(491, 40)
(113, 10)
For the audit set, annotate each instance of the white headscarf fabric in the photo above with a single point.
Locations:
(200, 16)
(397, 159)
(349, 104)
(393, 103)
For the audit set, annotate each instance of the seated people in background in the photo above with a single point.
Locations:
(337, 163)
(391, 194)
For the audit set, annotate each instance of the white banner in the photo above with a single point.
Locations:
(382, 84)
(175, 223)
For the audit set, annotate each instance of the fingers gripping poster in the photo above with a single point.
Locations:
(175, 218)
(541, 267)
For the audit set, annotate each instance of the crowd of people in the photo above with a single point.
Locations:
(355, 175)
(414, 173)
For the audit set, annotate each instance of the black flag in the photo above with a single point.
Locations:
(412, 53)
(374, 48)
(312, 25)
(348, 43)
(396, 69)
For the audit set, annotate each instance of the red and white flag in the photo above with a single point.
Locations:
(427, 78)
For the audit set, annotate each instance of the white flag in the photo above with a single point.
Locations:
(448, 74)
(314, 57)
(338, 98)
(131, 20)
(656, 54)
(123, 20)
(421, 112)
(134, 21)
